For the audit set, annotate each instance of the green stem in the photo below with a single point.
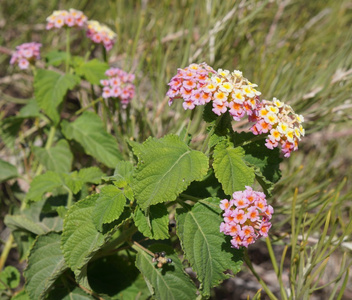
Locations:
(48, 144)
(105, 55)
(137, 245)
(275, 266)
(6, 251)
(262, 283)
(89, 105)
(69, 198)
(211, 132)
(67, 49)
(189, 124)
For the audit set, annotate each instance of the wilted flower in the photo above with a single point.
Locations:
(246, 217)
(119, 85)
(25, 54)
(101, 34)
(282, 123)
(201, 84)
(71, 18)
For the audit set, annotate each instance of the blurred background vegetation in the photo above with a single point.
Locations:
(298, 51)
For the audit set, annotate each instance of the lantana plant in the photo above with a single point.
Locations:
(108, 216)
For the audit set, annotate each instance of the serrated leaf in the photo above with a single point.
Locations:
(50, 88)
(93, 70)
(154, 223)
(165, 168)
(42, 184)
(9, 277)
(122, 174)
(88, 130)
(109, 206)
(230, 169)
(7, 171)
(58, 158)
(205, 247)
(80, 239)
(22, 222)
(169, 282)
(45, 264)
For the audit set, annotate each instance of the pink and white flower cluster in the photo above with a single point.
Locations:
(25, 54)
(281, 123)
(101, 34)
(201, 84)
(70, 18)
(246, 217)
(119, 85)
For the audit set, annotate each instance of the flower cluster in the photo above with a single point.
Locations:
(233, 92)
(200, 84)
(119, 85)
(101, 34)
(61, 18)
(189, 84)
(282, 124)
(246, 217)
(25, 54)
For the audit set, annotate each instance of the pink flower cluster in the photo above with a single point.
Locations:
(25, 54)
(201, 84)
(246, 217)
(71, 18)
(189, 84)
(282, 125)
(101, 34)
(119, 85)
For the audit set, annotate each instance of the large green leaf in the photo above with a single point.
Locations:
(80, 239)
(205, 247)
(165, 168)
(154, 223)
(230, 169)
(7, 171)
(169, 282)
(55, 58)
(30, 110)
(93, 70)
(42, 184)
(58, 158)
(45, 264)
(50, 89)
(88, 130)
(109, 206)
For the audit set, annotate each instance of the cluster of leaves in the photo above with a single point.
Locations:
(76, 227)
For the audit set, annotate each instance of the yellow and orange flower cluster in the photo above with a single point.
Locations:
(101, 34)
(283, 125)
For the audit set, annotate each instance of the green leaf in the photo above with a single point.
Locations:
(50, 88)
(109, 206)
(34, 220)
(9, 129)
(58, 158)
(30, 110)
(45, 264)
(205, 247)
(169, 282)
(24, 241)
(230, 169)
(165, 168)
(21, 296)
(154, 223)
(122, 174)
(257, 154)
(66, 291)
(7, 171)
(80, 239)
(88, 130)
(42, 184)
(91, 175)
(93, 70)
(9, 278)
(55, 58)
